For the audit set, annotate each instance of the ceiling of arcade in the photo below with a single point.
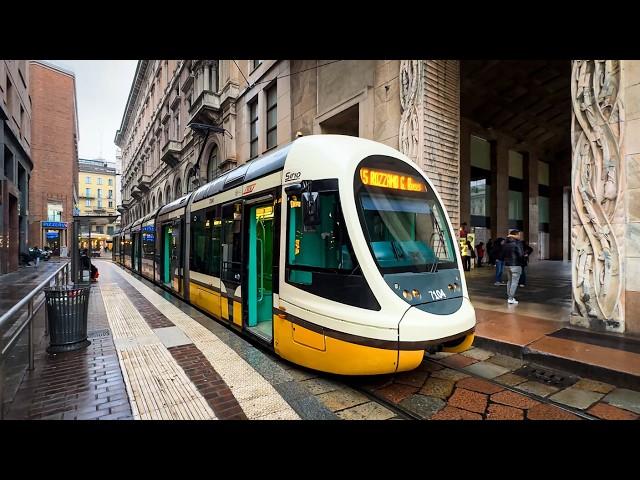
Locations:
(528, 100)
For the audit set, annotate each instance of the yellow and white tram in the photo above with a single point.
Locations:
(334, 251)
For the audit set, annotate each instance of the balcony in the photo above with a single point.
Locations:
(171, 153)
(144, 182)
(136, 192)
(205, 108)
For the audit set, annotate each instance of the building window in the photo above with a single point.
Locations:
(110, 194)
(177, 126)
(212, 166)
(87, 203)
(21, 120)
(480, 183)
(255, 64)
(87, 192)
(99, 229)
(54, 211)
(253, 128)
(99, 193)
(110, 230)
(87, 179)
(272, 117)
(99, 203)
(110, 204)
(9, 96)
(111, 182)
(99, 180)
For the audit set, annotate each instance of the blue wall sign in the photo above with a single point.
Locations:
(54, 224)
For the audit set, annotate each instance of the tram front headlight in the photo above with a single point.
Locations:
(407, 294)
(416, 294)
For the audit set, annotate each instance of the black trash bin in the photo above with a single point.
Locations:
(67, 309)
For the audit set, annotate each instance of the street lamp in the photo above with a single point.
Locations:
(203, 128)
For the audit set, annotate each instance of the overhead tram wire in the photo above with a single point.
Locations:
(282, 76)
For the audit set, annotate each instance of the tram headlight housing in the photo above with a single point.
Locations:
(407, 294)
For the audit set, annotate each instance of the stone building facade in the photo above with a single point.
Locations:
(15, 161)
(501, 141)
(53, 188)
(97, 192)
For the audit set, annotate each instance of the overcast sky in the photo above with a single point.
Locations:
(102, 89)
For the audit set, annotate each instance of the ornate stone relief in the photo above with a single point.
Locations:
(597, 134)
(410, 82)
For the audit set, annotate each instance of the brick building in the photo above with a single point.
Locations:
(15, 161)
(548, 147)
(53, 188)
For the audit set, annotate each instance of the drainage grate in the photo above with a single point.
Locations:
(546, 375)
(99, 333)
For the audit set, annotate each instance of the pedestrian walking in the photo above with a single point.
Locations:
(512, 255)
(489, 250)
(479, 254)
(497, 255)
(466, 256)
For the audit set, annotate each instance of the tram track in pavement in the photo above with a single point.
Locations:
(404, 412)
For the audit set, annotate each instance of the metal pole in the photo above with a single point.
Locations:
(30, 333)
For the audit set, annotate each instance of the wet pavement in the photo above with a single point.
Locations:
(547, 294)
(154, 357)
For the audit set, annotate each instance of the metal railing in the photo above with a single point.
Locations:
(61, 275)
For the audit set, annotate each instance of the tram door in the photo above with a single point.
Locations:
(260, 298)
(171, 256)
(135, 252)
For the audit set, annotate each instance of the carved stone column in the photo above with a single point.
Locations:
(430, 124)
(598, 216)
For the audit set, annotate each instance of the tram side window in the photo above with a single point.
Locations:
(326, 245)
(320, 259)
(230, 248)
(148, 242)
(205, 243)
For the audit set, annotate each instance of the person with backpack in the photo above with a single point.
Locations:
(497, 254)
(512, 256)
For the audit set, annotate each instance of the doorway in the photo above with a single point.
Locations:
(260, 297)
(171, 256)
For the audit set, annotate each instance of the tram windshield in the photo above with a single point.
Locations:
(405, 227)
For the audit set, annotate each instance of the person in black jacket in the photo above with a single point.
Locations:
(512, 255)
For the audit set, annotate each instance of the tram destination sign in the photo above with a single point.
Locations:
(386, 179)
(54, 225)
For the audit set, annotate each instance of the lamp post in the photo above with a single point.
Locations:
(203, 128)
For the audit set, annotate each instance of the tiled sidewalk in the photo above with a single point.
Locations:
(150, 359)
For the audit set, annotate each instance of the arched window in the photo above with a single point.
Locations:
(192, 180)
(178, 189)
(212, 166)
(167, 194)
(153, 203)
(160, 204)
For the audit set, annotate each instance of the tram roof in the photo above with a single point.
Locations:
(176, 204)
(151, 216)
(258, 167)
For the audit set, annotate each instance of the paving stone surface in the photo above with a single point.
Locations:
(510, 379)
(537, 388)
(430, 367)
(468, 400)
(300, 375)
(366, 411)
(514, 400)
(502, 412)
(423, 406)
(478, 354)
(592, 385)
(609, 412)
(437, 387)
(506, 361)
(544, 411)
(396, 393)
(458, 361)
(449, 374)
(479, 385)
(453, 413)
(624, 398)
(341, 399)
(576, 397)
(320, 385)
(486, 369)
(415, 378)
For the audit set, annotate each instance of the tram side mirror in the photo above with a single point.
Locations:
(310, 209)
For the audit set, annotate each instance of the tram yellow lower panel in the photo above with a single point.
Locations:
(205, 298)
(237, 313)
(464, 345)
(305, 347)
